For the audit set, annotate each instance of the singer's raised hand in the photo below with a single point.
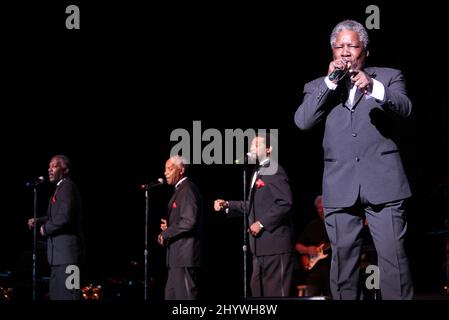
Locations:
(337, 64)
(338, 69)
(361, 80)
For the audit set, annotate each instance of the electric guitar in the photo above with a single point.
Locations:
(309, 261)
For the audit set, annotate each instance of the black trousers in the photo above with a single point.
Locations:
(182, 284)
(387, 225)
(58, 285)
(272, 275)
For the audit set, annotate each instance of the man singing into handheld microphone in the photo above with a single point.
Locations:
(361, 108)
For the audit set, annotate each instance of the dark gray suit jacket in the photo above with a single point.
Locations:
(64, 226)
(360, 146)
(270, 203)
(185, 227)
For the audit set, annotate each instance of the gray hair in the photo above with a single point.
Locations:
(352, 26)
(180, 162)
(64, 161)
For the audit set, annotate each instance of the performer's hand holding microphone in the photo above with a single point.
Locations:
(338, 69)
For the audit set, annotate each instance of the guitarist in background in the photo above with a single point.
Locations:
(314, 247)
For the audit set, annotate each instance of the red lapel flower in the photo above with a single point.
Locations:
(260, 183)
(53, 199)
(174, 205)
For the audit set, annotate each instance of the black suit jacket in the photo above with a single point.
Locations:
(184, 231)
(63, 225)
(270, 203)
(361, 152)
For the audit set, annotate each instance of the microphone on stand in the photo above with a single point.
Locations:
(243, 159)
(147, 187)
(35, 182)
(150, 185)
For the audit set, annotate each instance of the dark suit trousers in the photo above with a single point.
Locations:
(182, 284)
(387, 226)
(272, 275)
(58, 289)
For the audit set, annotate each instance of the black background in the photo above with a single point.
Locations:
(109, 95)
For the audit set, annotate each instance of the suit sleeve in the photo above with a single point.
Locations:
(64, 212)
(396, 98)
(314, 107)
(42, 219)
(282, 204)
(188, 217)
(237, 208)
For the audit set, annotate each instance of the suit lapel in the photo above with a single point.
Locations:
(344, 94)
(252, 192)
(54, 198)
(173, 198)
(254, 178)
(357, 97)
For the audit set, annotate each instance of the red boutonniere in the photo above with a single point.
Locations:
(260, 183)
(53, 199)
(174, 205)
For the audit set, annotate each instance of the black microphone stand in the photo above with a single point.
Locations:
(445, 186)
(145, 253)
(147, 188)
(248, 203)
(34, 240)
(245, 233)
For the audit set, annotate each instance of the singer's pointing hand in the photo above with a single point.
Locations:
(362, 81)
(220, 204)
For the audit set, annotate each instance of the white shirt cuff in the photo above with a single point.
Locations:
(378, 92)
(330, 84)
